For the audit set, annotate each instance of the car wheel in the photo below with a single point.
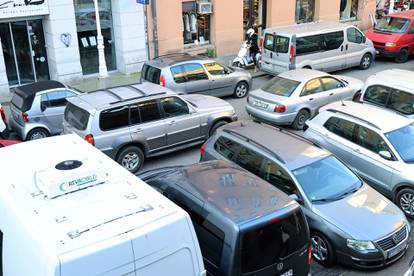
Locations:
(322, 250)
(402, 56)
(241, 89)
(215, 127)
(131, 158)
(300, 119)
(366, 62)
(405, 200)
(37, 133)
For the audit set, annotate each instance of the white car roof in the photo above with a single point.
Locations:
(119, 203)
(383, 119)
(397, 78)
(308, 28)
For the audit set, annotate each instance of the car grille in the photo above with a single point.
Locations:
(393, 239)
(378, 43)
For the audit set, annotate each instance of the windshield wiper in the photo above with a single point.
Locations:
(337, 197)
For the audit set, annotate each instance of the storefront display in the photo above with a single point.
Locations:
(254, 14)
(305, 11)
(348, 9)
(196, 27)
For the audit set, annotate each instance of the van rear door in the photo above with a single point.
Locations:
(277, 53)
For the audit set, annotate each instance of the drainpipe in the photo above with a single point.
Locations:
(154, 27)
(103, 71)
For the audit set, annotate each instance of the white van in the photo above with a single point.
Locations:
(67, 209)
(326, 46)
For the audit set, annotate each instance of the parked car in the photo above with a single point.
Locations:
(73, 211)
(37, 109)
(376, 143)
(326, 46)
(130, 123)
(3, 122)
(392, 89)
(393, 36)
(186, 74)
(244, 225)
(340, 208)
(6, 143)
(293, 97)
(410, 271)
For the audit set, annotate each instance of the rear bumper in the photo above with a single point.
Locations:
(20, 130)
(272, 118)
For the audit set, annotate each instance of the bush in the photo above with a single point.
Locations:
(211, 53)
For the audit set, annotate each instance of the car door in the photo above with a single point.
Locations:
(333, 56)
(313, 95)
(309, 52)
(52, 107)
(148, 125)
(369, 164)
(408, 38)
(197, 80)
(354, 46)
(335, 90)
(222, 80)
(181, 123)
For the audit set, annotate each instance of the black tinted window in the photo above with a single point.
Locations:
(308, 44)
(269, 42)
(76, 116)
(269, 244)
(149, 111)
(331, 83)
(354, 35)
(54, 99)
(114, 118)
(178, 74)
(341, 127)
(249, 160)
(151, 74)
(275, 175)
(173, 106)
(226, 147)
(194, 72)
(333, 40)
(377, 94)
(370, 140)
(282, 44)
(402, 102)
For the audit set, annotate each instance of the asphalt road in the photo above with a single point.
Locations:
(192, 155)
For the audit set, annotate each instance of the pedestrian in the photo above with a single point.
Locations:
(252, 40)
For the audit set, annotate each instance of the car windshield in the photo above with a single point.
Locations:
(280, 86)
(327, 180)
(403, 141)
(392, 25)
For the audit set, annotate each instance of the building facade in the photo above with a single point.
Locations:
(189, 26)
(56, 39)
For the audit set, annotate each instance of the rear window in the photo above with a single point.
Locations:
(377, 94)
(151, 74)
(280, 86)
(276, 43)
(21, 102)
(76, 116)
(271, 243)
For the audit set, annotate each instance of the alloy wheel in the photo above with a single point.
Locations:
(130, 161)
(407, 203)
(366, 61)
(37, 135)
(241, 90)
(319, 248)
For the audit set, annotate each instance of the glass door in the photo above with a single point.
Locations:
(37, 41)
(23, 52)
(8, 54)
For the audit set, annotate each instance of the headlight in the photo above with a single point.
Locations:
(390, 44)
(360, 245)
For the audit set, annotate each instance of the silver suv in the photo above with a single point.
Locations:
(187, 74)
(378, 144)
(129, 123)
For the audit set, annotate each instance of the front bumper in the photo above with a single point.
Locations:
(271, 118)
(386, 53)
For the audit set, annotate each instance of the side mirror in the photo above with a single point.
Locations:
(43, 107)
(295, 198)
(364, 39)
(385, 154)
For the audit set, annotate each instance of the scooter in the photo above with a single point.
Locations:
(243, 58)
(410, 271)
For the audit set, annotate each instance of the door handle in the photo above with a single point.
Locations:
(271, 54)
(311, 99)
(171, 123)
(342, 48)
(346, 47)
(138, 130)
(357, 150)
(331, 94)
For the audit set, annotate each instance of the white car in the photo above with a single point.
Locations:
(3, 120)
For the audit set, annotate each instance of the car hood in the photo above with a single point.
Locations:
(207, 102)
(364, 215)
(383, 37)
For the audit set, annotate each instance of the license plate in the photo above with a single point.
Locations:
(260, 104)
(397, 250)
(288, 273)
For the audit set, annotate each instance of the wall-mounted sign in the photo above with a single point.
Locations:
(18, 8)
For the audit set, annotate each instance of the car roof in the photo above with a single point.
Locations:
(409, 14)
(302, 75)
(103, 98)
(392, 77)
(33, 88)
(116, 204)
(172, 59)
(230, 190)
(308, 28)
(384, 120)
(289, 148)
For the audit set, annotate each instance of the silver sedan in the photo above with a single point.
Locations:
(293, 97)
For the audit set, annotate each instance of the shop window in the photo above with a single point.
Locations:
(87, 34)
(196, 27)
(254, 14)
(305, 11)
(349, 9)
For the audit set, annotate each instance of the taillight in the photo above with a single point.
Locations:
(25, 117)
(261, 45)
(203, 149)
(3, 115)
(291, 53)
(89, 138)
(309, 254)
(274, 220)
(162, 80)
(247, 99)
(279, 108)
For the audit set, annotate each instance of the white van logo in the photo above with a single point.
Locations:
(65, 186)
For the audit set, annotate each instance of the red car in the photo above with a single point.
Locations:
(393, 36)
(6, 143)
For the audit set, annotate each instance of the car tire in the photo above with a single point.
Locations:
(405, 200)
(365, 62)
(241, 90)
(131, 158)
(300, 119)
(37, 133)
(402, 56)
(322, 250)
(215, 126)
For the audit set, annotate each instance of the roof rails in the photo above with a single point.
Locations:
(352, 116)
(247, 139)
(172, 54)
(138, 97)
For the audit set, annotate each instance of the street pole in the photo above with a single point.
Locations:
(154, 27)
(103, 71)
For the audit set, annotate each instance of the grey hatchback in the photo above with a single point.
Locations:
(340, 208)
(187, 74)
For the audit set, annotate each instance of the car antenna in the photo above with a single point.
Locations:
(342, 102)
